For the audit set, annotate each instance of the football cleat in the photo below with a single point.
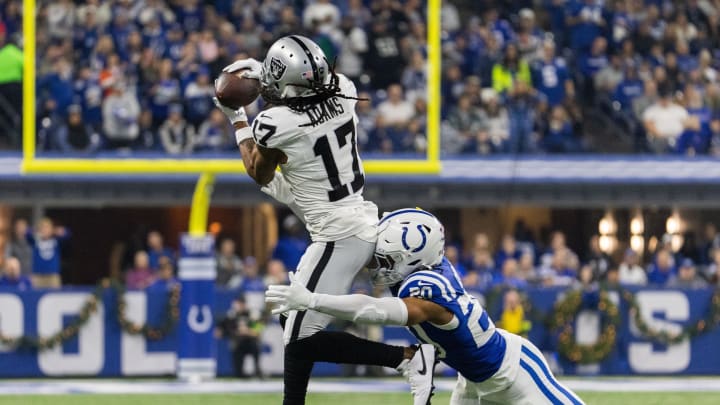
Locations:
(419, 372)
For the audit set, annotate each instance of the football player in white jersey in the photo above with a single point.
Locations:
(309, 131)
(493, 365)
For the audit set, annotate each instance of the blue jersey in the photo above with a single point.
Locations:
(549, 79)
(46, 253)
(469, 343)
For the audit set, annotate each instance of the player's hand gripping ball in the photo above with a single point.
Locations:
(235, 89)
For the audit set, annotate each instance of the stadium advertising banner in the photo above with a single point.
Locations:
(102, 348)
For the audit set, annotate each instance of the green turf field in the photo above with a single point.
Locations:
(591, 398)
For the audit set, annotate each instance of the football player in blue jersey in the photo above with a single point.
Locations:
(494, 366)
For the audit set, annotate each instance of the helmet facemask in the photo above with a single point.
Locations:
(383, 269)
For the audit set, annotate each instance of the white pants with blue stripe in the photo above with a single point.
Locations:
(327, 268)
(533, 382)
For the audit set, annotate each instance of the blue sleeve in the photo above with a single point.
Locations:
(30, 238)
(562, 74)
(428, 286)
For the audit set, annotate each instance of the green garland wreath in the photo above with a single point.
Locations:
(172, 314)
(710, 322)
(564, 317)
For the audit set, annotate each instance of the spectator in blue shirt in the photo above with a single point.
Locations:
(11, 277)
(175, 43)
(509, 276)
(165, 92)
(508, 250)
(697, 135)
(562, 269)
(662, 269)
(120, 29)
(190, 16)
(292, 244)
(500, 28)
(156, 249)
(165, 279)
(453, 255)
(46, 254)
(556, 14)
(86, 36)
(59, 85)
(628, 89)
(685, 60)
(480, 265)
(89, 95)
(595, 60)
(559, 136)
(590, 64)
(622, 23)
(550, 76)
(198, 98)
(154, 37)
(215, 134)
(586, 21)
(252, 280)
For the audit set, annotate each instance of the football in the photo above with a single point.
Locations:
(235, 91)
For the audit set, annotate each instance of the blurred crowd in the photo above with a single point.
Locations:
(519, 261)
(499, 269)
(518, 76)
(137, 75)
(33, 258)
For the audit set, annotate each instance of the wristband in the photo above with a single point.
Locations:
(243, 134)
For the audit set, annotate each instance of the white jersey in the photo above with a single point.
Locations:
(324, 169)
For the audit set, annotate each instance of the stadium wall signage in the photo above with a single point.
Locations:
(102, 348)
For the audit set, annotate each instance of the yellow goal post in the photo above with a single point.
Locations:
(32, 164)
(208, 168)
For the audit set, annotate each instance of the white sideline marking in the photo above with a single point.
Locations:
(57, 387)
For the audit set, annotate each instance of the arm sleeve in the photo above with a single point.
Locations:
(362, 308)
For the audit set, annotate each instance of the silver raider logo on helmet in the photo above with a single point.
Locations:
(277, 68)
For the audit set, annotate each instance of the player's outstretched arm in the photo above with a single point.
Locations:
(356, 307)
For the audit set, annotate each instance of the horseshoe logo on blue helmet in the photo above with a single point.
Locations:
(422, 244)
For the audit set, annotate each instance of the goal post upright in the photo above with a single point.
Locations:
(28, 83)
